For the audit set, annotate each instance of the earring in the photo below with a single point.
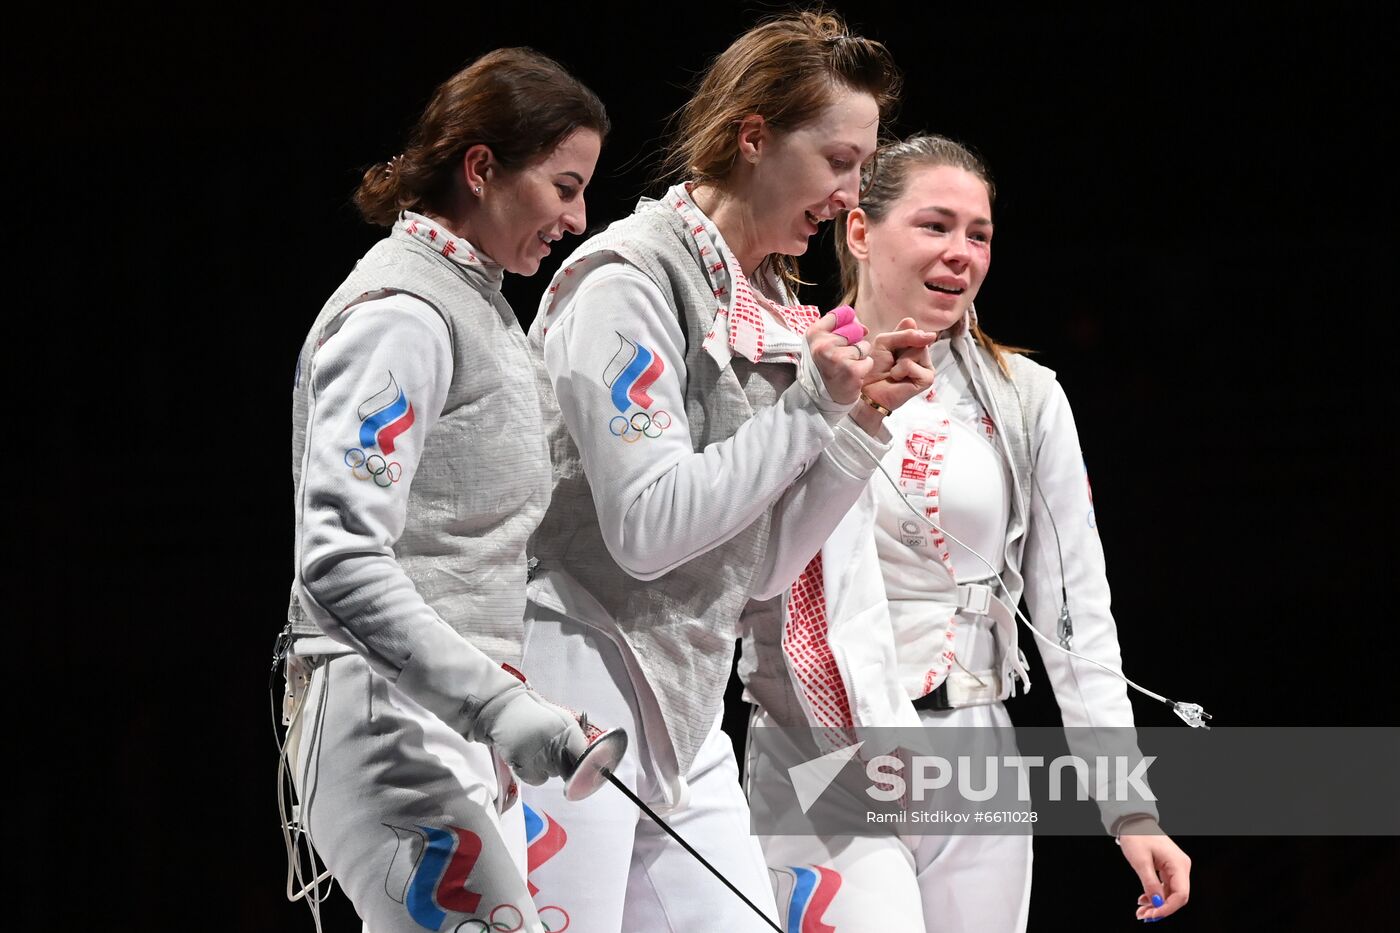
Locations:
(478, 189)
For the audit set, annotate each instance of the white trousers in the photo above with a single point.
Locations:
(403, 810)
(904, 883)
(601, 862)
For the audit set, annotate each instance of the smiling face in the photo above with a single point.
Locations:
(927, 257)
(806, 175)
(522, 212)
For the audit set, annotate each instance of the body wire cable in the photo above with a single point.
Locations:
(1191, 713)
(289, 821)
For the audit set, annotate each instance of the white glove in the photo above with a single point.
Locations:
(536, 738)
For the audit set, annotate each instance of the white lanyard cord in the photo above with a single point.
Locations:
(1191, 713)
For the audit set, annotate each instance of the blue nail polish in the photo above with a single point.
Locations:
(1156, 900)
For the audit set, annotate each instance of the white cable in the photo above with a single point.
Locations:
(292, 830)
(1191, 713)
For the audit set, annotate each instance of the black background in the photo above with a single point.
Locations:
(1193, 229)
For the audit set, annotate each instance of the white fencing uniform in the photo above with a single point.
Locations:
(421, 470)
(903, 883)
(695, 451)
(608, 866)
(896, 610)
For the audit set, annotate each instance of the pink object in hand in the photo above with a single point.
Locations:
(846, 324)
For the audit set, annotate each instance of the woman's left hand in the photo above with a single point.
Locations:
(1165, 872)
(902, 368)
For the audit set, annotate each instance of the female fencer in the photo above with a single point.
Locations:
(905, 636)
(710, 436)
(421, 470)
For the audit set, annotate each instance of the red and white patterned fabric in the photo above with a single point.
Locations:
(805, 642)
(449, 244)
(740, 326)
(739, 330)
(739, 317)
(809, 652)
(920, 475)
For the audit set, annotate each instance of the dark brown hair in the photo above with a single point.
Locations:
(884, 182)
(516, 101)
(785, 70)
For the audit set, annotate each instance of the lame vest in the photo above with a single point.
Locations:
(483, 481)
(682, 626)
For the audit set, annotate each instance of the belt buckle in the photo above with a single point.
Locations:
(976, 598)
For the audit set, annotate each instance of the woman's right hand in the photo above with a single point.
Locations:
(538, 739)
(831, 341)
(901, 366)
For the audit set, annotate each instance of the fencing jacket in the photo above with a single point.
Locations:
(691, 486)
(420, 466)
(1035, 432)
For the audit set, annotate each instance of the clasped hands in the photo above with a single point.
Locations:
(888, 371)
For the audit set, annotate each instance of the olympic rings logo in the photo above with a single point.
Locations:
(512, 922)
(385, 473)
(639, 425)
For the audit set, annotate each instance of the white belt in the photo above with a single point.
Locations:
(973, 688)
(323, 646)
(981, 599)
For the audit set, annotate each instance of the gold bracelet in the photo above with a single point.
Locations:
(875, 405)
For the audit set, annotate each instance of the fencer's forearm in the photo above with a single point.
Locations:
(660, 502)
(418, 652)
(444, 673)
(706, 497)
(809, 511)
(1088, 696)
